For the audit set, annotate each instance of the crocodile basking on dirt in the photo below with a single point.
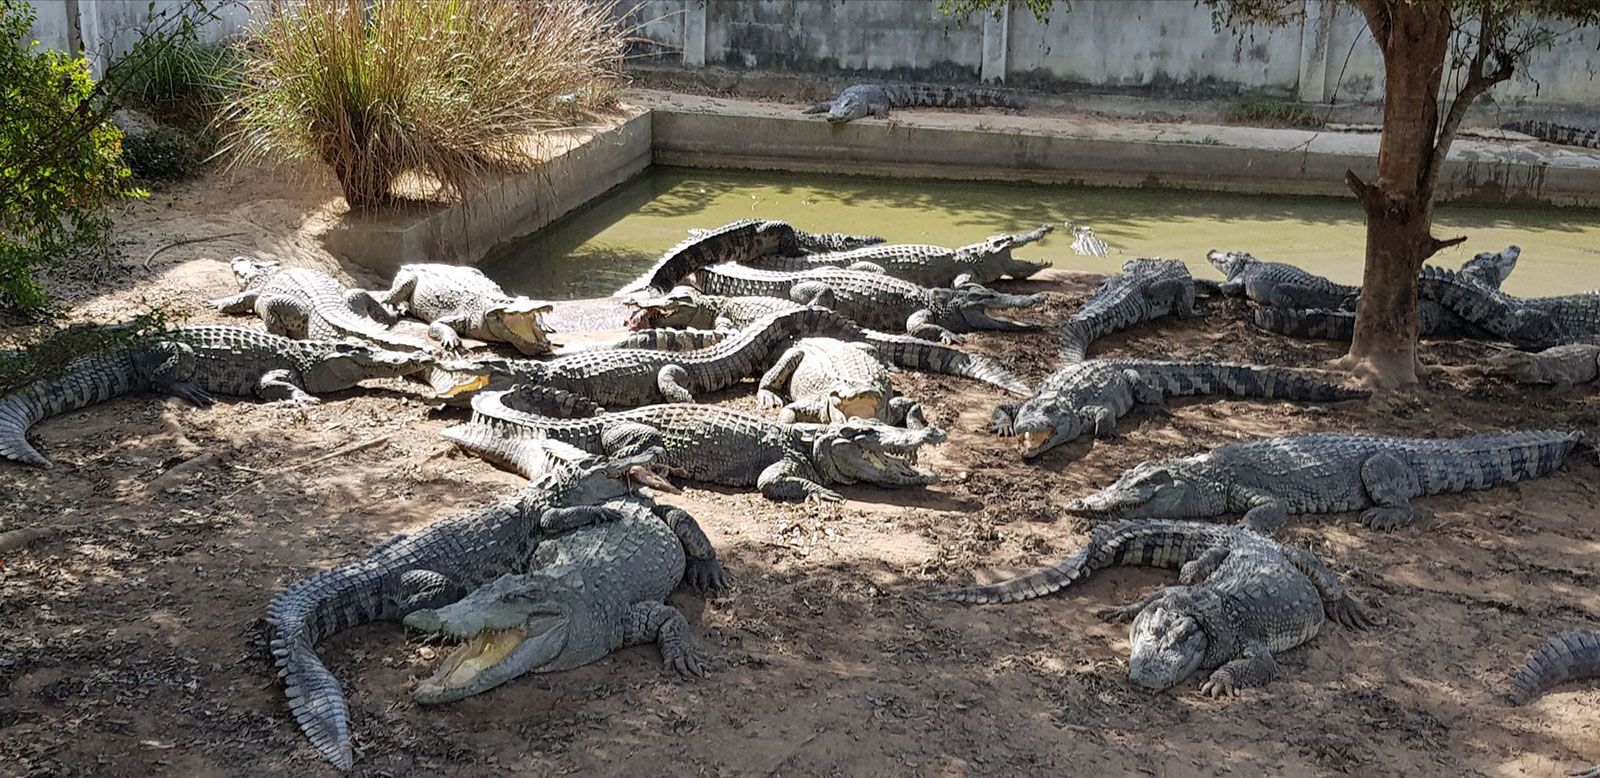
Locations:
(625, 378)
(979, 263)
(859, 101)
(299, 302)
(1278, 284)
(718, 445)
(876, 300)
(195, 363)
(1565, 365)
(1090, 396)
(1242, 597)
(687, 308)
(1550, 132)
(741, 241)
(588, 592)
(1569, 656)
(457, 301)
(429, 568)
(828, 380)
(1145, 290)
(1269, 479)
(1501, 315)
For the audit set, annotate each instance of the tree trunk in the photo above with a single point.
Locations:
(1413, 38)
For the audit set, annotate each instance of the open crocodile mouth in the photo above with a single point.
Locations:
(645, 317)
(860, 406)
(472, 658)
(899, 463)
(528, 331)
(1035, 442)
(450, 383)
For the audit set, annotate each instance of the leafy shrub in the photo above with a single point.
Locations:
(60, 161)
(186, 81)
(449, 88)
(157, 152)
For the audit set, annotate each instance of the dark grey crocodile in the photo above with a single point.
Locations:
(817, 242)
(859, 101)
(1277, 284)
(1090, 396)
(299, 302)
(1568, 656)
(828, 380)
(717, 445)
(1576, 316)
(1490, 268)
(1565, 365)
(625, 378)
(688, 308)
(1145, 290)
(979, 263)
(1242, 598)
(588, 593)
(432, 567)
(1267, 480)
(741, 241)
(876, 300)
(1495, 312)
(1550, 132)
(195, 363)
(457, 300)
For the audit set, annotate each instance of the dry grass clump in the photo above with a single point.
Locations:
(451, 89)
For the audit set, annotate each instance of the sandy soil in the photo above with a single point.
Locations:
(131, 631)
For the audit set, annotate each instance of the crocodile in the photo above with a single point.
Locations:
(1550, 132)
(983, 262)
(831, 380)
(195, 363)
(876, 300)
(588, 593)
(1576, 316)
(431, 567)
(741, 241)
(817, 242)
(1490, 310)
(688, 308)
(1278, 284)
(1090, 396)
(299, 302)
(458, 301)
(859, 101)
(1145, 290)
(1490, 268)
(1085, 242)
(1565, 365)
(625, 378)
(1573, 655)
(1270, 479)
(1241, 598)
(718, 445)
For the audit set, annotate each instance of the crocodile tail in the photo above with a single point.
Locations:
(1569, 656)
(1190, 378)
(297, 618)
(523, 451)
(1494, 311)
(940, 96)
(1135, 543)
(1075, 339)
(1319, 323)
(1551, 132)
(928, 356)
(87, 380)
(737, 242)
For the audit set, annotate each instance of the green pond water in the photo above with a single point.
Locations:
(615, 238)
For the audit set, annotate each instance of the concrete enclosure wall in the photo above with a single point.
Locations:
(1165, 46)
(107, 29)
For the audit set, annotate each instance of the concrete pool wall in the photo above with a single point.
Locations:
(689, 131)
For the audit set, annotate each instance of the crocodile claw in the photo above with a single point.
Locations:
(706, 576)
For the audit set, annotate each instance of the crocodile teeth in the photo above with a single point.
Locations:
(480, 653)
(1032, 441)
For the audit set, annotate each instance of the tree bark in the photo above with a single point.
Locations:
(1413, 38)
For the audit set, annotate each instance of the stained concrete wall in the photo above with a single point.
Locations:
(107, 29)
(1163, 46)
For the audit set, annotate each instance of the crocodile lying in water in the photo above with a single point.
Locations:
(1568, 656)
(741, 241)
(718, 445)
(1278, 284)
(1242, 597)
(859, 101)
(457, 301)
(1550, 132)
(978, 263)
(195, 363)
(588, 592)
(1145, 290)
(876, 300)
(1090, 396)
(432, 567)
(1267, 480)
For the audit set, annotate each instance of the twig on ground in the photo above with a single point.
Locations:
(185, 242)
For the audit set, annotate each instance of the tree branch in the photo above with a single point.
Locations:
(1362, 189)
(1477, 83)
(1377, 13)
(1435, 245)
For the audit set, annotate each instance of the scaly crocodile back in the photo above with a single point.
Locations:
(1494, 311)
(1139, 543)
(740, 241)
(1550, 132)
(945, 96)
(1569, 656)
(1146, 289)
(927, 356)
(1177, 379)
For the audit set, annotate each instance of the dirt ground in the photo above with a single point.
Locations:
(130, 642)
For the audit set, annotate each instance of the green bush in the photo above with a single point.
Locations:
(60, 161)
(157, 152)
(185, 82)
(452, 89)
